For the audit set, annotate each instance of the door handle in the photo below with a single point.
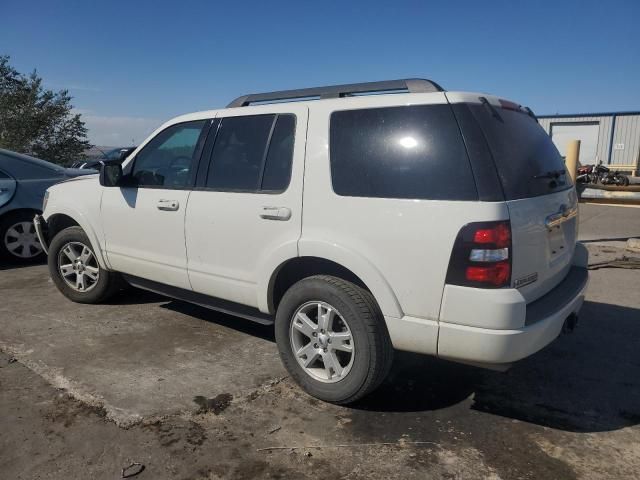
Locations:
(275, 213)
(168, 205)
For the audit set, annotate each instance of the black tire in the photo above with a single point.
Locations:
(106, 286)
(6, 223)
(623, 180)
(373, 352)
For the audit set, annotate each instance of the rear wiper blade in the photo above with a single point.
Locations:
(550, 174)
(492, 110)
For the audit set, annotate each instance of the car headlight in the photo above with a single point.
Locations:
(45, 200)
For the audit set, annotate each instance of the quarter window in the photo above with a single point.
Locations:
(167, 160)
(252, 153)
(412, 152)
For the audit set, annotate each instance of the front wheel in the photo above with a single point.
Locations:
(75, 270)
(332, 339)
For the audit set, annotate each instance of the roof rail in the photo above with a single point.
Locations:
(411, 85)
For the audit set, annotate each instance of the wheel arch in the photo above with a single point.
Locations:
(58, 222)
(16, 211)
(295, 269)
(58, 219)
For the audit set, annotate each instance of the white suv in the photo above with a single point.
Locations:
(414, 219)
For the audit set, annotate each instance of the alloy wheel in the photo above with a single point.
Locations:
(322, 342)
(78, 266)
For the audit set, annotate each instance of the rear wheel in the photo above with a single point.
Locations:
(75, 270)
(18, 239)
(332, 339)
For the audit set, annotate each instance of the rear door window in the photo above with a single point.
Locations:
(252, 153)
(525, 157)
(412, 152)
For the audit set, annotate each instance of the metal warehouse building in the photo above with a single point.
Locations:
(613, 138)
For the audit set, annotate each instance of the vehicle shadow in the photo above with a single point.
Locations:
(12, 265)
(236, 323)
(135, 296)
(584, 382)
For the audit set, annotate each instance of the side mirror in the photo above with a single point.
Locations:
(110, 174)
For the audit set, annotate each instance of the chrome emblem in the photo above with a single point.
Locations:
(521, 282)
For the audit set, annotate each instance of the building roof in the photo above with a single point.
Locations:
(600, 114)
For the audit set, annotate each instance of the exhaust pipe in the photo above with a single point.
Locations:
(570, 323)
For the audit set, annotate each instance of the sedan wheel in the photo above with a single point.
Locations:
(21, 241)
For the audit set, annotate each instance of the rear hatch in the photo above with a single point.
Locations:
(540, 196)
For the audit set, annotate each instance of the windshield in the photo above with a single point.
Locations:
(527, 161)
(113, 154)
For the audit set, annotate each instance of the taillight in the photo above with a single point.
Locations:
(481, 256)
(499, 235)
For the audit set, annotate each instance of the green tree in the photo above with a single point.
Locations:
(37, 121)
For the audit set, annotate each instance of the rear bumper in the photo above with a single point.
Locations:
(39, 225)
(544, 321)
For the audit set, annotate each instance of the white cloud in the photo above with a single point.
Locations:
(118, 131)
(72, 87)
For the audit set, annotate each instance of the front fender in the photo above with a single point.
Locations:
(84, 223)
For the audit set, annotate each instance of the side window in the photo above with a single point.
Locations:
(23, 169)
(252, 153)
(277, 169)
(167, 160)
(414, 152)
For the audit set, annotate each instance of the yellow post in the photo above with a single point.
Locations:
(571, 160)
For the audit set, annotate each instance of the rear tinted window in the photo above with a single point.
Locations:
(400, 152)
(521, 150)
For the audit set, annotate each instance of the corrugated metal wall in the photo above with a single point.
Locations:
(627, 133)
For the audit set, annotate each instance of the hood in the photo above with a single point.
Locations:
(78, 172)
(75, 174)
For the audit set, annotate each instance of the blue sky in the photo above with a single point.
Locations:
(132, 65)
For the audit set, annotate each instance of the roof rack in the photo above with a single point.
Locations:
(411, 85)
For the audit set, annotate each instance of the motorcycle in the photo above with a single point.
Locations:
(600, 174)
